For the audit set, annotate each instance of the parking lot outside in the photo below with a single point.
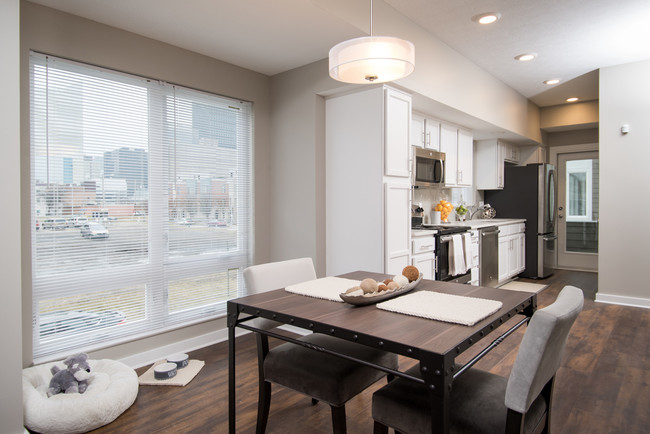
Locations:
(64, 249)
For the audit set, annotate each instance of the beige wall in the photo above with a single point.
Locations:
(572, 137)
(624, 181)
(576, 115)
(11, 403)
(60, 34)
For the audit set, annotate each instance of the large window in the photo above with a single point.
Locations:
(141, 205)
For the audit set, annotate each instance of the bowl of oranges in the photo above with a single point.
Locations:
(445, 209)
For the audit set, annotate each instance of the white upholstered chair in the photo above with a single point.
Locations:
(321, 376)
(482, 402)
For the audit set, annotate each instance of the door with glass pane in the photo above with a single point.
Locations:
(578, 210)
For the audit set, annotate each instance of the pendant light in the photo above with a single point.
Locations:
(371, 59)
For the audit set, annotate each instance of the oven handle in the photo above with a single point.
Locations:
(446, 238)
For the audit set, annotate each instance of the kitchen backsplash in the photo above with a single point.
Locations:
(429, 197)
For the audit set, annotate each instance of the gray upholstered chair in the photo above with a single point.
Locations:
(482, 402)
(321, 376)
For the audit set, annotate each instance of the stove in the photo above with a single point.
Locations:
(442, 239)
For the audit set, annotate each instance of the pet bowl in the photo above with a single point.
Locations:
(164, 371)
(181, 360)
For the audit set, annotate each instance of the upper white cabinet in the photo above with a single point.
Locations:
(457, 144)
(425, 132)
(465, 158)
(367, 187)
(396, 132)
(491, 156)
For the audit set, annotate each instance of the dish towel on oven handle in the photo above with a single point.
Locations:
(467, 246)
(456, 256)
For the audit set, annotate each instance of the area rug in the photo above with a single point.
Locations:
(182, 377)
(524, 286)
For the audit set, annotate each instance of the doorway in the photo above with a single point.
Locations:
(577, 212)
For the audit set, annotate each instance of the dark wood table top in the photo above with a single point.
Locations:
(403, 334)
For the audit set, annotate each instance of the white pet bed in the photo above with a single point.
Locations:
(112, 389)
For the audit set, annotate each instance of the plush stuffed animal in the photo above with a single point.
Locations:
(73, 379)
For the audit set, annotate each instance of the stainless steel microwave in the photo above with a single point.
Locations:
(428, 168)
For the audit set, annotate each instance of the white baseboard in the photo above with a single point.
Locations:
(148, 357)
(623, 300)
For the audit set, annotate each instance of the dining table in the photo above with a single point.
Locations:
(435, 344)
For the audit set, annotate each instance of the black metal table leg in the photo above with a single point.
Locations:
(232, 321)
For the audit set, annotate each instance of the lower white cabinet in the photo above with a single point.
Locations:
(423, 253)
(425, 263)
(397, 226)
(511, 250)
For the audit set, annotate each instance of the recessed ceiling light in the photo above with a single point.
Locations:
(526, 57)
(486, 18)
(572, 99)
(552, 81)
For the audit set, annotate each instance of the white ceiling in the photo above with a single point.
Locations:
(571, 37)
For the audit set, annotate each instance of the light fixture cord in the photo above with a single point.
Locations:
(370, 17)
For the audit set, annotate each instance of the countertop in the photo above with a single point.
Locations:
(472, 224)
(484, 223)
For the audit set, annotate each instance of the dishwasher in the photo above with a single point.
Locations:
(488, 248)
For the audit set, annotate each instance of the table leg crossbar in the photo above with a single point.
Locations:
(490, 347)
(326, 351)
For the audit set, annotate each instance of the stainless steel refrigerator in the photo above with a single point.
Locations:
(529, 192)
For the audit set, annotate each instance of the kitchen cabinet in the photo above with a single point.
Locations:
(425, 132)
(397, 227)
(457, 144)
(367, 181)
(491, 157)
(511, 250)
(423, 253)
(396, 133)
(465, 158)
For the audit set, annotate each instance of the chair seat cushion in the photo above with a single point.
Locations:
(477, 405)
(323, 376)
(112, 388)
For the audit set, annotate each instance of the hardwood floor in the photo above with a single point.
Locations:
(603, 385)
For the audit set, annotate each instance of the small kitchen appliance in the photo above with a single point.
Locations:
(428, 168)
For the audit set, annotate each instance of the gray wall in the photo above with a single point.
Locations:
(60, 34)
(11, 403)
(624, 180)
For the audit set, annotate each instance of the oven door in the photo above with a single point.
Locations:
(442, 263)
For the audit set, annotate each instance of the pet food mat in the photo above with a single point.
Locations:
(443, 307)
(182, 377)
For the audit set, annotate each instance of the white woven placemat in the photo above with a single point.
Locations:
(443, 307)
(327, 288)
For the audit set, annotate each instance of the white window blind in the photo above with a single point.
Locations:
(141, 205)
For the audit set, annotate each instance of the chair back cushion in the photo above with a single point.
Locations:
(276, 275)
(541, 349)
